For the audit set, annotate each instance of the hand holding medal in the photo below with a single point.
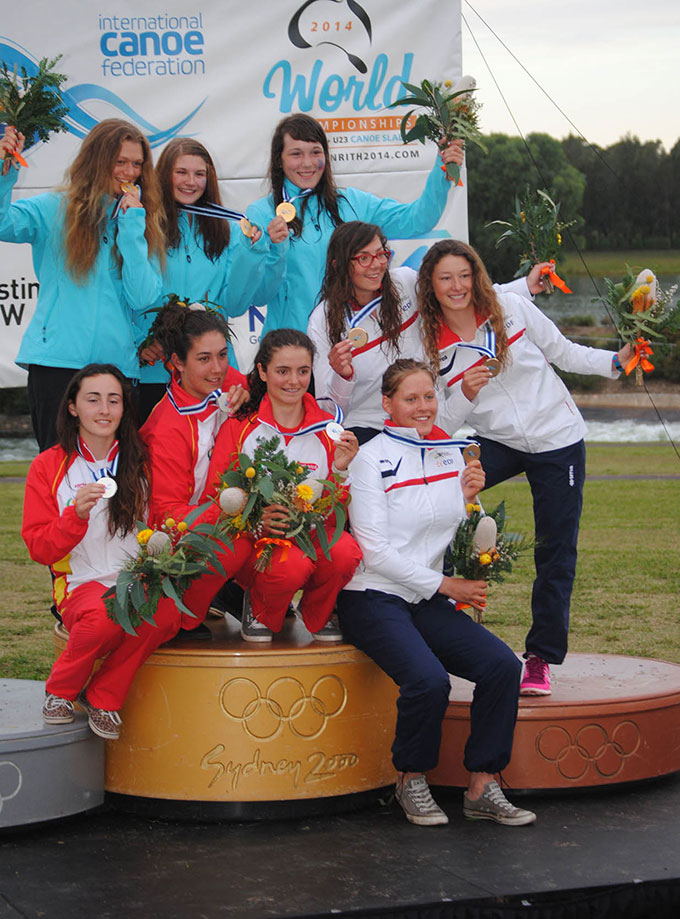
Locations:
(340, 358)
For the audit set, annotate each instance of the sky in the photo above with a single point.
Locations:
(612, 66)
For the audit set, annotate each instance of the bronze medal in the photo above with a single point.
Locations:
(493, 365)
(471, 452)
(358, 337)
(129, 189)
(286, 210)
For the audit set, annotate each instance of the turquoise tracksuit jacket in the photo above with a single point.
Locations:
(76, 323)
(233, 281)
(295, 267)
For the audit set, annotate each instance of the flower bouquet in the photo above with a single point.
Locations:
(180, 301)
(171, 557)
(537, 229)
(450, 112)
(642, 310)
(482, 549)
(32, 105)
(271, 478)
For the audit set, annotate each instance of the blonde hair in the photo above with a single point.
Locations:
(397, 372)
(87, 192)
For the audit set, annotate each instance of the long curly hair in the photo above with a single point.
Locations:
(176, 327)
(214, 233)
(270, 344)
(87, 196)
(130, 502)
(483, 298)
(338, 291)
(306, 128)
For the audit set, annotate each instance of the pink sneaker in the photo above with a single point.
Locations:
(536, 679)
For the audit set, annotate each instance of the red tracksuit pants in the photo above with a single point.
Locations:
(271, 591)
(92, 635)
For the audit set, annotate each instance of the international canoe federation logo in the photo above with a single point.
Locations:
(591, 746)
(284, 703)
(78, 120)
(343, 24)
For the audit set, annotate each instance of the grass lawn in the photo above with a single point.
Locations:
(627, 587)
(662, 261)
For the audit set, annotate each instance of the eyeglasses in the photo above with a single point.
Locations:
(365, 259)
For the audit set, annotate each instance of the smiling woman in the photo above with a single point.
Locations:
(97, 248)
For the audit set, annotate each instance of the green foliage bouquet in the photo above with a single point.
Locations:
(482, 549)
(448, 115)
(271, 478)
(171, 557)
(33, 105)
(642, 310)
(536, 228)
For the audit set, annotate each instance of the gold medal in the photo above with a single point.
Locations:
(286, 210)
(493, 365)
(471, 452)
(246, 227)
(129, 189)
(358, 337)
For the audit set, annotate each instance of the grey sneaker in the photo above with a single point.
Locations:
(329, 632)
(417, 802)
(102, 723)
(493, 805)
(57, 710)
(251, 628)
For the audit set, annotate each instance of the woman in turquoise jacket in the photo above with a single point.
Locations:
(96, 253)
(207, 257)
(300, 173)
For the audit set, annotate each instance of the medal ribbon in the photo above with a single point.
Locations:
(119, 201)
(111, 467)
(303, 194)
(365, 311)
(424, 444)
(212, 210)
(488, 349)
(310, 428)
(194, 409)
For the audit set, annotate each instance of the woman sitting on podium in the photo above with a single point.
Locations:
(280, 406)
(83, 499)
(409, 489)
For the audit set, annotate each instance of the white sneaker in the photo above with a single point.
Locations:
(251, 628)
(418, 804)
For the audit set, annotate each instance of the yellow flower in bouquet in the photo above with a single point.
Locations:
(144, 536)
(305, 492)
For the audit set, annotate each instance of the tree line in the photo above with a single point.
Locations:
(625, 196)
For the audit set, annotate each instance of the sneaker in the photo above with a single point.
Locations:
(536, 679)
(493, 805)
(57, 710)
(102, 723)
(417, 802)
(330, 632)
(251, 628)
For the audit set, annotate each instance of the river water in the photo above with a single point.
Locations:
(604, 424)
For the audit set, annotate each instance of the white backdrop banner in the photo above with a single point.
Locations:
(225, 71)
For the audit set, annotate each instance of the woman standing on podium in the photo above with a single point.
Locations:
(305, 206)
(98, 247)
(208, 256)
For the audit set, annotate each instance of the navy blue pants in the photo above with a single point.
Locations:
(556, 479)
(418, 645)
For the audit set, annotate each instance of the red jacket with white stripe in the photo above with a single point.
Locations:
(526, 406)
(77, 551)
(407, 502)
(314, 449)
(179, 449)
